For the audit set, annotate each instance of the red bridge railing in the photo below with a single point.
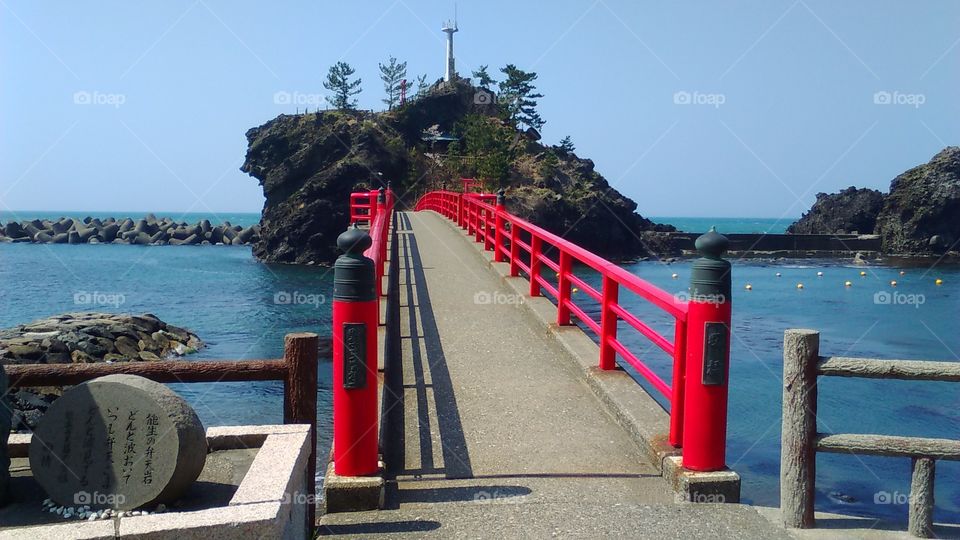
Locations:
(363, 206)
(526, 248)
(375, 208)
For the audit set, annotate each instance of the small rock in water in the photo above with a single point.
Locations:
(841, 498)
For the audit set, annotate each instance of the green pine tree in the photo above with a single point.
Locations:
(338, 81)
(484, 80)
(520, 97)
(422, 85)
(392, 74)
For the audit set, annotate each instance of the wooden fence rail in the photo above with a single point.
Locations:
(802, 364)
(297, 369)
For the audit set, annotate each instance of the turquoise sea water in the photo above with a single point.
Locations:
(227, 297)
(728, 225)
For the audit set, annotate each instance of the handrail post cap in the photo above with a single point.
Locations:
(801, 332)
(712, 244)
(354, 241)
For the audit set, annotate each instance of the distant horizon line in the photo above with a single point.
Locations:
(67, 213)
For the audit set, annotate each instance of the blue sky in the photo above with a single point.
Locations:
(690, 108)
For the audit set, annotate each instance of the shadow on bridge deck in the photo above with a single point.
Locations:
(487, 432)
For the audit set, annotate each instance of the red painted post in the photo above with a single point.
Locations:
(383, 226)
(372, 198)
(534, 264)
(514, 250)
(355, 319)
(608, 323)
(679, 382)
(563, 289)
(460, 214)
(469, 215)
(488, 232)
(707, 358)
(498, 244)
(481, 223)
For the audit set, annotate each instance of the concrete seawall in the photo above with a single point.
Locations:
(788, 245)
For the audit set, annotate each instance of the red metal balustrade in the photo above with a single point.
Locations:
(364, 204)
(522, 245)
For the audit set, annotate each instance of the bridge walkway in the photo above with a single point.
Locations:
(492, 434)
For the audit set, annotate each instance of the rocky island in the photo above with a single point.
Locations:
(919, 217)
(309, 163)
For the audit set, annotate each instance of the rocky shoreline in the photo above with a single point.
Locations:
(146, 231)
(86, 337)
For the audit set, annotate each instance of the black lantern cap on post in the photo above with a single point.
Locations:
(354, 277)
(710, 274)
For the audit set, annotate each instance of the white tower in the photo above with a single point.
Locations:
(450, 27)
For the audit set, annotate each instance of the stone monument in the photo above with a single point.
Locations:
(119, 442)
(5, 412)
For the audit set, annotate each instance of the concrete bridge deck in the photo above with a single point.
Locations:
(494, 435)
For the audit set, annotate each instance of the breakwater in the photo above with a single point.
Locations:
(788, 245)
(148, 230)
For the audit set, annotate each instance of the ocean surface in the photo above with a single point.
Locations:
(228, 298)
(727, 225)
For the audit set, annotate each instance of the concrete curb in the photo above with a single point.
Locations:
(352, 494)
(631, 406)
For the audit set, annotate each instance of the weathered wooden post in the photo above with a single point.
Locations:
(5, 412)
(921, 497)
(798, 454)
(300, 353)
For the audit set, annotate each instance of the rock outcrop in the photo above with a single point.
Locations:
(921, 215)
(94, 337)
(146, 231)
(308, 165)
(84, 338)
(851, 210)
